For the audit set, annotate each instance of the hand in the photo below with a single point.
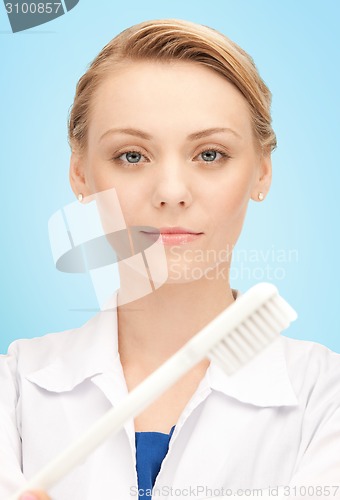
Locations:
(35, 495)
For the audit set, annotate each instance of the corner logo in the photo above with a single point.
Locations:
(25, 15)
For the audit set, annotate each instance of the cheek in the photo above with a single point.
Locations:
(102, 178)
(231, 199)
(132, 201)
(230, 207)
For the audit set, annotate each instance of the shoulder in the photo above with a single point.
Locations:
(314, 371)
(304, 353)
(69, 354)
(37, 352)
(50, 344)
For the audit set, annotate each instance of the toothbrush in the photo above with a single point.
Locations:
(230, 340)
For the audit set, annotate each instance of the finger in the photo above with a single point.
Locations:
(35, 495)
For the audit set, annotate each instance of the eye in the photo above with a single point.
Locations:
(132, 156)
(211, 155)
(129, 157)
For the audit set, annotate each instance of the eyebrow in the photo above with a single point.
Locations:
(143, 135)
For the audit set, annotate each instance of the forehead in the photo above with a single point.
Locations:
(175, 96)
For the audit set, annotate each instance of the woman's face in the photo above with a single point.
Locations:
(175, 140)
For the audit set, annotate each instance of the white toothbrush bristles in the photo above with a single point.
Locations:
(253, 333)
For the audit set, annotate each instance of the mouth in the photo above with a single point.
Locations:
(175, 235)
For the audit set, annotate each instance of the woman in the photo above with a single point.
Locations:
(175, 118)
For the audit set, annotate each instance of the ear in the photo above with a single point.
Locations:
(77, 174)
(264, 177)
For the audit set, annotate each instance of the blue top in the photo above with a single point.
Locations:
(151, 448)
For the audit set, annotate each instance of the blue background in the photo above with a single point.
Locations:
(296, 48)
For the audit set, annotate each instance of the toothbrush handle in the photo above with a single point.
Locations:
(113, 420)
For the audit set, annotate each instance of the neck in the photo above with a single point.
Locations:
(158, 324)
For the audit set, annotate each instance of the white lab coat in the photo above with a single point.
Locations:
(275, 422)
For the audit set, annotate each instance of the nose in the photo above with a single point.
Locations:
(171, 186)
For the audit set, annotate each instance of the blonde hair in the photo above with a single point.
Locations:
(174, 39)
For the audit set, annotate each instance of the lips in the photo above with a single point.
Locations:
(174, 230)
(175, 235)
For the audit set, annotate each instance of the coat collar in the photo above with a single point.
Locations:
(92, 350)
(75, 355)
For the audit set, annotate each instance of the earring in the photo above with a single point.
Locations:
(80, 197)
(260, 196)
